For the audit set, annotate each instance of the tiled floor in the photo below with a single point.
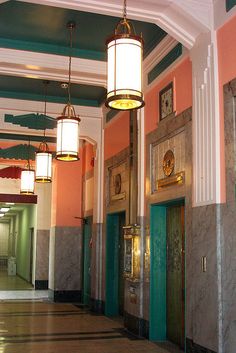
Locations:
(43, 327)
(12, 282)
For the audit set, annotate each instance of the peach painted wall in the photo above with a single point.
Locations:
(66, 193)
(181, 76)
(227, 71)
(116, 135)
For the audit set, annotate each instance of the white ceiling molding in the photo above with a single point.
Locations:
(199, 10)
(18, 107)
(176, 18)
(51, 67)
(161, 50)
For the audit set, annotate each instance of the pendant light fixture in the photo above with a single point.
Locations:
(68, 122)
(124, 67)
(27, 178)
(43, 158)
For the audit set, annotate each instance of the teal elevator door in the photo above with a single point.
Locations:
(114, 302)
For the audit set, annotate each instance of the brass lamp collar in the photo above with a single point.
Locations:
(43, 147)
(69, 112)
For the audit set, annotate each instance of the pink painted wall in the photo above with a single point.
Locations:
(66, 193)
(227, 71)
(116, 135)
(181, 76)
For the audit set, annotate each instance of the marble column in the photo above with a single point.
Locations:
(65, 249)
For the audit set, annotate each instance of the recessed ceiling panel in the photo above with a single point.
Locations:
(43, 29)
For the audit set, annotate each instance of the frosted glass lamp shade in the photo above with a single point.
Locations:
(124, 72)
(67, 139)
(43, 171)
(27, 182)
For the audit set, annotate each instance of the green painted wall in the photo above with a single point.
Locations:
(27, 220)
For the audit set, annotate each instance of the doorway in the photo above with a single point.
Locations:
(87, 235)
(114, 305)
(167, 273)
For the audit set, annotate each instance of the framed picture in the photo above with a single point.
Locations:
(166, 101)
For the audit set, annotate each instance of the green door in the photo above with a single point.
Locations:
(175, 274)
(87, 261)
(121, 263)
(114, 303)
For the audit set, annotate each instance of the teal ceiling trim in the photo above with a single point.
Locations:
(154, 42)
(230, 4)
(23, 152)
(32, 121)
(19, 137)
(39, 97)
(51, 49)
(111, 114)
(174, 54)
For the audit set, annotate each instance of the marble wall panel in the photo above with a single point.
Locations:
(205, 293)
(228, 224)
(42, 255)
(66, 259)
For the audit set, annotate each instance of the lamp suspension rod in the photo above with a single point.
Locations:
(45, 105)
(124, 10)
(70, 26)
(29, 154)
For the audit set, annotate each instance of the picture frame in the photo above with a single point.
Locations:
(166, 101)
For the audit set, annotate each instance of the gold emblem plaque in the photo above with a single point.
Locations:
(168, 163)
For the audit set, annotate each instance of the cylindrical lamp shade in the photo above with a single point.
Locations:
(43, 171)
(67, 139)
(124, 72)
(27, 182)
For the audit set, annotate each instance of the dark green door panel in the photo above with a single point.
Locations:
(175, 272)
(121, 263)
(114, 270)
(167, 271)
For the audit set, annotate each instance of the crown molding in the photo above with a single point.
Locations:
(51, 67)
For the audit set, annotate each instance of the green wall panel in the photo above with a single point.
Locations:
(165, 62)
(230, 4)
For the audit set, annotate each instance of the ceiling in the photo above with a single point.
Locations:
(40, 28)
(14, 210)
(43, 29)
(34, 46)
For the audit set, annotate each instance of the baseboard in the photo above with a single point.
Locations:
(97, 306)
(136, 325)
(65, 296)
(192, 347)
(41, 284)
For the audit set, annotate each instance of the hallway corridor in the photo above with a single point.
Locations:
(36, 327)
(12, 282)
